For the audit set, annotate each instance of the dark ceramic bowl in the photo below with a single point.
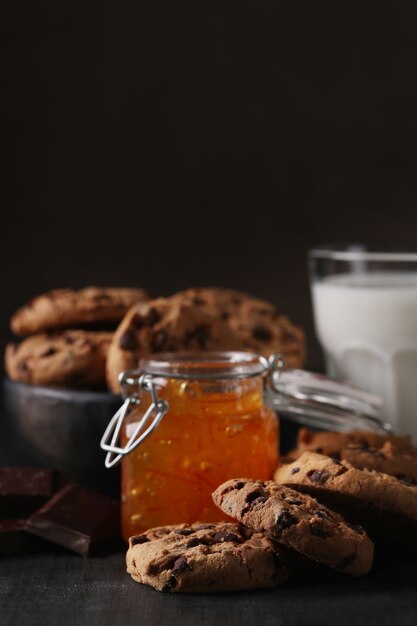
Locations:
(62, 429)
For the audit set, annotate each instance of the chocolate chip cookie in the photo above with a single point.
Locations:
(166, 325)
(207, 558)
(73, 358)
(66, 308)
(299, 522)
(386, 506)
(256, 322)
(332, 443)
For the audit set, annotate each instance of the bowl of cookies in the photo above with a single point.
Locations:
(62, 384)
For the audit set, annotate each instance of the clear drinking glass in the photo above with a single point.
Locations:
(365, 310)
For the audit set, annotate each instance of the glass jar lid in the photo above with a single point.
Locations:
(326, 404)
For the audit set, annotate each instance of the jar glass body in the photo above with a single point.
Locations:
(214, 429)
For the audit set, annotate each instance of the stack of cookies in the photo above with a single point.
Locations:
(334, 489)
(66, 336)
(84, 339)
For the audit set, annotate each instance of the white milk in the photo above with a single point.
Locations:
(367, 325)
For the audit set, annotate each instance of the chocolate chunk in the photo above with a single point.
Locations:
(284, 520)
(76, 518)
(159, 340)
(239, 485)
(292, 501)
(198, 336)
(196, 542)
(335, 457)
(319, 529)
(49, 352)
(151, 318)
(170, 585)
(24, 489)
(318, 476)
(322, 514)
(261, 333)
(13, 539)
(222, 536)
(183, 531)
(254, 495)
(139, 539)
(295, 470)
(128, 340)
(180, 565)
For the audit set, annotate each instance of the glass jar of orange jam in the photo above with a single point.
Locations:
(213, 426)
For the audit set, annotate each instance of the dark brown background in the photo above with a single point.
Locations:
(169, 144)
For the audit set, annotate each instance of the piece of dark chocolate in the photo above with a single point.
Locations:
(76, 518)
(24, 489)
(13, 539)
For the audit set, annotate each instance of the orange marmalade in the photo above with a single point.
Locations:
(217, 427)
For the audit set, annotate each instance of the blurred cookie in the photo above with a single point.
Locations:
(66, 308)
(383, 504)
(386, 460)
(256, 322)
(74, 359)
(166, 325)
(207, 558)
(299, 522)
(332, 443)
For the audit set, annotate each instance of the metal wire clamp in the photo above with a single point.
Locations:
(132, 382)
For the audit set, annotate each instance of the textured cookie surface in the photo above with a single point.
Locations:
(65, 308)
(331, 443)
(256, 322)
(207, 558)
(299, 522)
(166, 325)
(385, 505)
(73, 358)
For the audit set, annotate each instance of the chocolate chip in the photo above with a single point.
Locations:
(342, 470)
(292, 501)
(139, 539)
(239, 485)
(261, 333)
(180, 565)
(151, 318)
(318, 529)
(295, 470)
(319, 450)
(159, 340)
(170, 585)
(346, 561)
(254, 495)
(335, 457)
(198, 301)
(49, 352)
(128, 340)
(223, 536)
(183, 531)
(198, 336)
(69, 339)
(322, 514)
(318, 476)
(284, 520)
(196, 542)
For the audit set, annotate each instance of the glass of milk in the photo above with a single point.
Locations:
(365, 310)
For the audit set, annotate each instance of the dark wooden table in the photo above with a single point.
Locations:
(59, 589)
